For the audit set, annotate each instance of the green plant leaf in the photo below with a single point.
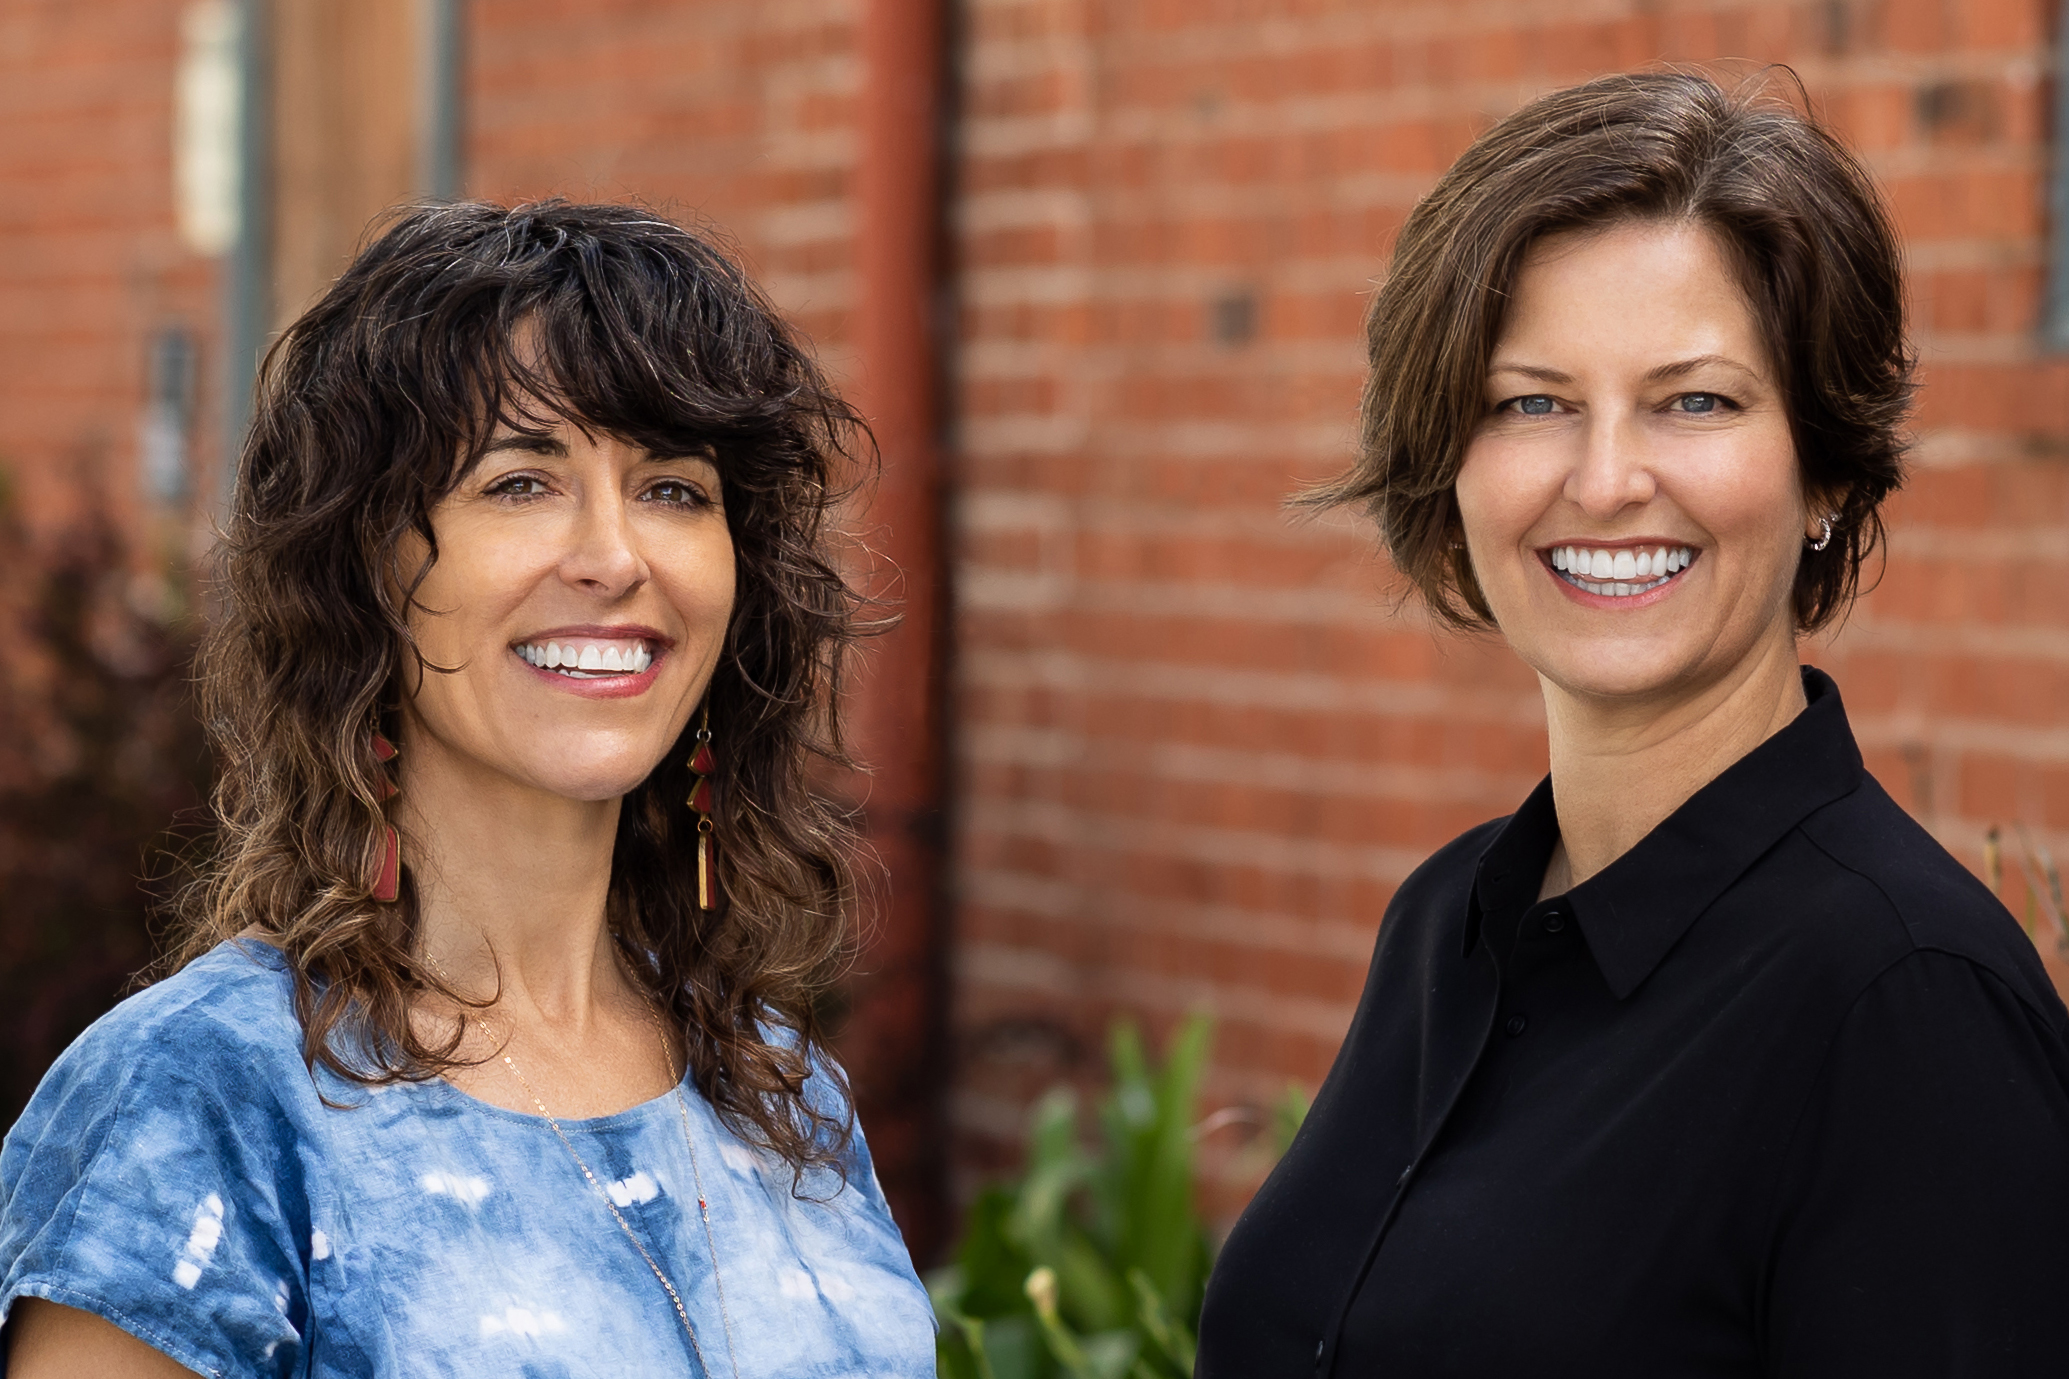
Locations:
(991, 1265)
(1287, 1118)
(1150, 1118)
(1111, 1354)
(1091, 1265)
(959, 1351)
(1170, 1336)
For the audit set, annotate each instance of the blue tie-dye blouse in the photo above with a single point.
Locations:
(179, 1174)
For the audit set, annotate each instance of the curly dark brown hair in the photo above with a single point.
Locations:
(1817, 258)
(371, 408)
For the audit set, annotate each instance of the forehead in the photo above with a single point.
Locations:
(1640, 293)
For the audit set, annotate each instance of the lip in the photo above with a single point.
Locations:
(1622, 543)
(622, 686)
(1629, 603)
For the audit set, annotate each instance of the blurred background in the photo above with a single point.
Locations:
(1095, 269)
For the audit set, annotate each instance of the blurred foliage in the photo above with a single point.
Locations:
(1093, 1264)
(100, 754)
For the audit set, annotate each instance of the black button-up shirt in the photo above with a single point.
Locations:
(1782, 1091)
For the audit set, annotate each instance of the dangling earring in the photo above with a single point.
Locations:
(704, 765)
(1825, 538)
(386, 882)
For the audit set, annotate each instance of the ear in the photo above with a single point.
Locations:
(1819, 506)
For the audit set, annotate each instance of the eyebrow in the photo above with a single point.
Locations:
(1680, 368)
(534, 445)
(554, 446)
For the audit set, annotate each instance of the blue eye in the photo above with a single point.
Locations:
(1699, 402)
(1536, 405)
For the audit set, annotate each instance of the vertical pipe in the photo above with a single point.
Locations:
(247, 295)
(895, 1044)
(2054, 321)
(440, 108)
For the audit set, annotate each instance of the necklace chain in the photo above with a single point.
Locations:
(696, 1173)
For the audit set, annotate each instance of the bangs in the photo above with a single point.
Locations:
(634, 328)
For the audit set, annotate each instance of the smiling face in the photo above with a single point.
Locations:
(581, 595)
(1632, 504)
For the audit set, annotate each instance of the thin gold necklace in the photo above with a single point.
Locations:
(696, 1174)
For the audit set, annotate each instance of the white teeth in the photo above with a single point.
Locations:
(590, 659)
(1619, 574)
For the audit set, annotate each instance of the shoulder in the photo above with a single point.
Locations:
(232, 1006)
(153, 1178)
(217, 1038)
(1891, 893)
(1429, 905)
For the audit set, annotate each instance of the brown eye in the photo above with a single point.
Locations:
(518, 486)
(677, 493)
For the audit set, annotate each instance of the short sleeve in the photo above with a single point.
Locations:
(1924, 1223)
(152, 1181)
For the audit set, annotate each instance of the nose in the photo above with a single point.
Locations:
(1612, 470)
(603, 556)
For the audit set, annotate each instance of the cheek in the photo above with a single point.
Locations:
(472, 586)
(1500, 494)
(700, 579)
(1754, 501)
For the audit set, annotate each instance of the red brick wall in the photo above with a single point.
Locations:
(91, 264)
(737, 113)
(1200, 744)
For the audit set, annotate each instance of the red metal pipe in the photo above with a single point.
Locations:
(895, 1041)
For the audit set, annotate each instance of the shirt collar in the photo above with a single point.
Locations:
(1636, 909)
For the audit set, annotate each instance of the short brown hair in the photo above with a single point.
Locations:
(1818, 261)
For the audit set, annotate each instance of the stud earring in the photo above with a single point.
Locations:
(1825, 536)
(386, 881)
(704, 765)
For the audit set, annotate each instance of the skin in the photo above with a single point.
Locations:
(512, 779)
(1631, 401)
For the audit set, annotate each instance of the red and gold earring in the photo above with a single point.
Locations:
(704, 765)
(386, 882)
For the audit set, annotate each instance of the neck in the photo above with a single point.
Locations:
(511, 886)
(1620, 767)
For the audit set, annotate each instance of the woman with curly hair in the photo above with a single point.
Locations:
(1708, 1060)
(491, 1045)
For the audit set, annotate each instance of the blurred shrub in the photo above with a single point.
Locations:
(1093, 1264)
(99, 754)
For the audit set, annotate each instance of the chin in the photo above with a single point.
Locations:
(604, 782)
(1612, 675)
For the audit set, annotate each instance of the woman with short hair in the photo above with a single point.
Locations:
(492, 1045)
(1708, 1060)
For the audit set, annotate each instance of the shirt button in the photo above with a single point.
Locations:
(1555, 923)
(1516, 1025)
